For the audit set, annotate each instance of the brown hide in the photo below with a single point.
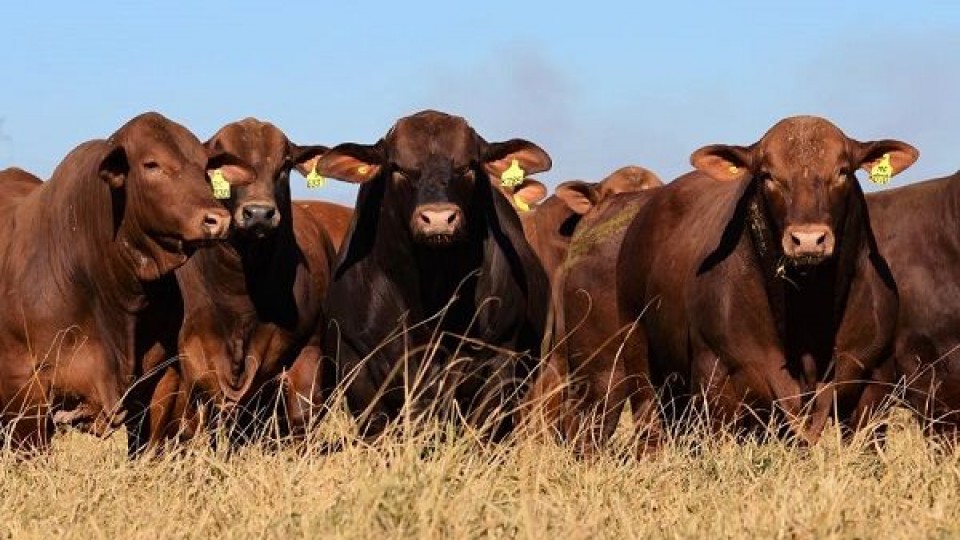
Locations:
(248, 310)
(758, 291)
(916, 230)
(75, 254)
(335, 218)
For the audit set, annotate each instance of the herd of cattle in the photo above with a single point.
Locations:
(155, 278)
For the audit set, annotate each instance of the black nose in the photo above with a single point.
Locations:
(258, 214)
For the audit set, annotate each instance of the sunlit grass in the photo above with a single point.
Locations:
(428, 479)
(441, 482)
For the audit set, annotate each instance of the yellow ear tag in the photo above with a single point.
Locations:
(520, 204)
(733, 169)
(221, 188)
(882, 171)
(513, 176)
(363, 169)
(315, 179)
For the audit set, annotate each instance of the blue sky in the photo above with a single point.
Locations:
(598, 84)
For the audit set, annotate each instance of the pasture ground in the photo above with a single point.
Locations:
(426, 486)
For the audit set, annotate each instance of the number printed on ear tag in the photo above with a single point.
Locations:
(315, 179)
(513, 176)
(882, 171)
(221, 188)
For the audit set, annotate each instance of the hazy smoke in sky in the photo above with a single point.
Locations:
(516, 92)
(520, 92)
(904, 88)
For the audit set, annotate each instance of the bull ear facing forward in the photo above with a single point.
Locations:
(351, 162)
(901, 154)
(235, 170)
(723, 162)
(581, 196)
(578, 195)
(530, 191)
(114, 167)
(305, 158)
(499, 156)
(629, 179)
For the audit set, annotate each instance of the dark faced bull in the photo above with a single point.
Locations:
(432, 235)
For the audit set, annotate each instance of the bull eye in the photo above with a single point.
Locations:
(773, 184)
(401, 175)
(151, 165)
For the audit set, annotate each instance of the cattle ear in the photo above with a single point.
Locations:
(236, 171)
(578, 195)
(529, 192)
(305, 158)
(629, 179)
(351, 162)
(722, 162)
(500, 156)
(213, 145)
(114, 167)
(900, 154)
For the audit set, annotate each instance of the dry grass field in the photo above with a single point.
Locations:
(438, 484)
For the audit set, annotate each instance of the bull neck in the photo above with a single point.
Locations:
(92, 250)
(809, 299)
(85, 260)
(446, 273)
(953, 190)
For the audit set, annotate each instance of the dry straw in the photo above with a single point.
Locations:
(429, 476)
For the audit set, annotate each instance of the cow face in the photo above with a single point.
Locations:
(432, 163)
(161, 169)
(264, 147)
(806, 167)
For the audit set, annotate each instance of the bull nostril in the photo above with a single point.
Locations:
(451, 218)
(270, 213)
(796, 239)
(821, 239)
(425, 218)
(247, 212)
(211, 221)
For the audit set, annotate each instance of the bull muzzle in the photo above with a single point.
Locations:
(437, 224)
(808, 244)
(258, 218)
(213, 224)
